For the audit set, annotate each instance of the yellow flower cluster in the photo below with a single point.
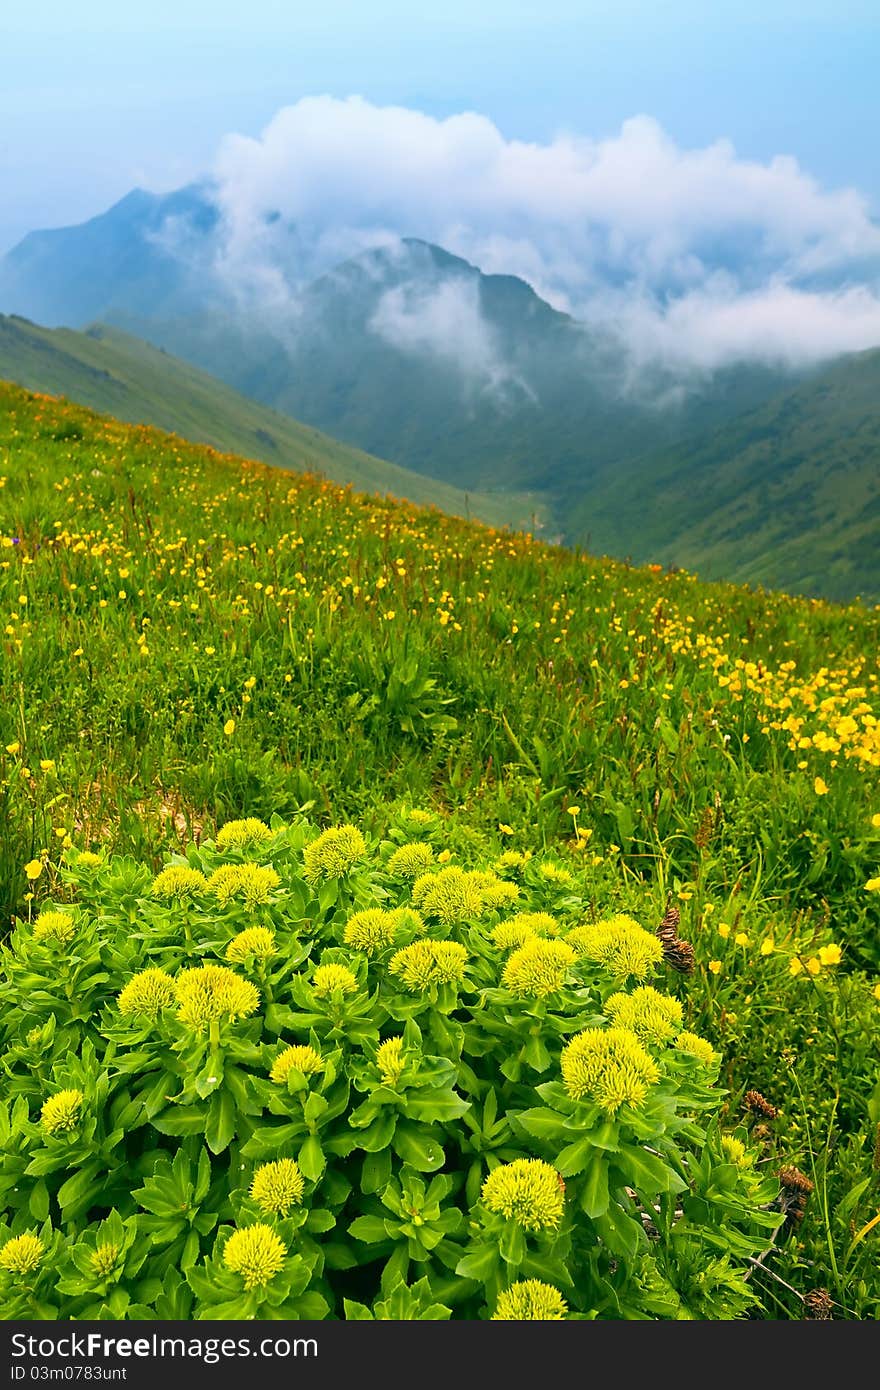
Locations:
(103, 1259)
(516, 930)
(300, 1057)
(530, 1300)
(451, 896)
(411, 860)
(243, 834)
(652, 1016)
(620, 945)
(697, 1047)
(22, 1254)
(427, 963)
(328, 979)
(334, 854)
(56, 927)
(253, 882)
(527, 1191)
(61, 1112)
(538, 968)
(391, 1061)
(147, 993)
(609, 1065)
(178, 881)
(256, 1253)
(258, 942)
(278, 1186)
(371, 931)
(211, 993)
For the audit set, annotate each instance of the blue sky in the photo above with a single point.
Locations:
(98, 97)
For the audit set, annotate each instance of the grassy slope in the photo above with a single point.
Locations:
(111, 371)
(788, 495)
(187, 638)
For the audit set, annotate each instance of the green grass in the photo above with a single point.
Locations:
(189, 638)
(111, 371)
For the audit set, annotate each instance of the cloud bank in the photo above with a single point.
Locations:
(696, 257)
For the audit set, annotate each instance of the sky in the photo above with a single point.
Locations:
(99, 97)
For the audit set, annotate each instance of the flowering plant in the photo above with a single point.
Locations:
(298, 1075)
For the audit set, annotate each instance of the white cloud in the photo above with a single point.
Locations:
(695, 254)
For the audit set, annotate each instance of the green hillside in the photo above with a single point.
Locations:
(337, 832)
(111, 371)
(787, 495)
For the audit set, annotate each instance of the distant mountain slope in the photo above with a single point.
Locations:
(111, 371)
(787, 496)
(408, 352)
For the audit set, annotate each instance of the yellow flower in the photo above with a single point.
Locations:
(876, 992)
(715, 967)
(610, 1065)
(723, 930)
(253, 882)
(47, 764)
(54, 926)
(391, 1061)
(22, 1254)
(60, 1112)
(830, 955)
(527, 1191)
(796, 966)
(410, 860)
(444, 856)
(768, 946)
(814, 965)
(178, 881)
(13, 748)
(329, 978)
(33, 868)
(538, 968)
(620, 945)
(229, 727)
(278, 1186)
(147, 993)
(741, 939)
(452, 895)
(243, 834)
(212, 993)
(574, 810)
(696, 1046)
(258, 942)
(516, 930)
(103, 1259)
(303, 1058)
(428, 963)
(530, 1300)
(873, 885)
(334, 853)
(652, 1016)
(505, 829)
(875, 819)
(256, 1253)
(371, 930)
(735, 1151)
(820, 787)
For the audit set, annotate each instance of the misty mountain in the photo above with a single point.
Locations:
(407, 352)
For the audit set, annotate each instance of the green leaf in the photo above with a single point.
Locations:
(575, 1157)
(480, 1264)
(311, 1159)
(594, 1188)
(180, 1119)
(647, 1172)
(441, 1103)
(38, 1202)
(417, 1148)
(220, 1124)
(371, 1229)
(375, 1171)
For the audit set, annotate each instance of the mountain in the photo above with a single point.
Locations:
(786, 496)
(111, 371)
(405, 351)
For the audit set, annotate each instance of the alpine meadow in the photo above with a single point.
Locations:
(439, 687)
(412, 919)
